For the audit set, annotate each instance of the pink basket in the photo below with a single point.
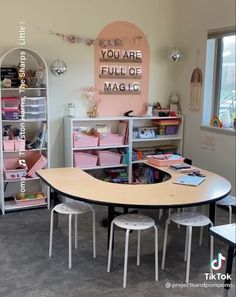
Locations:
(8, 145)
(39, 164)
(30, 201)
(13, 169)
(85, 160)
(83, 140)
(108, 158)
(110, 139)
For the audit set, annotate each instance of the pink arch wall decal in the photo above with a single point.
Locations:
(121, 70)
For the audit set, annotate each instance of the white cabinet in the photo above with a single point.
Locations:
(134, 141)
(23, 130)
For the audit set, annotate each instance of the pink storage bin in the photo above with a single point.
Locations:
(83, 140)
(30, 201)
(8, 145)
(108, 158)
(84, 160)
(11, 103)
(40, 163)
(164, 163)
(110, 139)
(13, 169)
(19, 144)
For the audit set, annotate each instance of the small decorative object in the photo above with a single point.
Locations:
(196, 89)
(156, 108)
(70, 110)
(39, 75)
(149, 111)
(226, 119)
(174, 55)
(6, 83)
(58, 67)
(175, 103)
(215, 122)
(30, 78)
(93, 112)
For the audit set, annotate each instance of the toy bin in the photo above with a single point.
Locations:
(35, 115)
(10, 114)
(13, 169)
(106, 158)
(157, 161)
(8, 145)
(11, 103)
(22, 199)
(82, 159)
(106, 139)
(19, 144)
(35, 160)
(35, 100)
(83, 140)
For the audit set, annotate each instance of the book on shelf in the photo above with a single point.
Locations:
(189, 180)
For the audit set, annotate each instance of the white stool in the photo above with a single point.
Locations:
(188, 219)
(133, 222)
(228, 201)
(72, 208)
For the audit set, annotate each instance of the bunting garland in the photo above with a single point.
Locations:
(73, 38)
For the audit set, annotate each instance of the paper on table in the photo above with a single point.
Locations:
(189, 180)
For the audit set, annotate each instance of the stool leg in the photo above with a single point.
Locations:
(76, 231)
(126, 258)
(186, 245)
(156, 253)
(160, 213)
(138, 248)
(51, 233)
(110, 248)
(164, 245)
(201, 235)
(230, 214)
(70, 241)
(189, 253)
(94, 234)
(211, 250)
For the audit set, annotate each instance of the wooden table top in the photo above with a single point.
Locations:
(76, 183)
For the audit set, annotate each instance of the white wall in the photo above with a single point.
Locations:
(156, 18)
(195, 19)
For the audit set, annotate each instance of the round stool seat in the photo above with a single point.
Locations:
(134, 222)
(73, 207)
(190, 219)
(227, 201)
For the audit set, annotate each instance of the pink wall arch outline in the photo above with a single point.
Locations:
(121, 71)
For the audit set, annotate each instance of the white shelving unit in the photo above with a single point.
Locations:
(10, 187)
(70, 124)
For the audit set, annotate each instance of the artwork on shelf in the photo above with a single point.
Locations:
(215, 122)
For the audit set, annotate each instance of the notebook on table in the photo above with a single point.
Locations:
(189, 180)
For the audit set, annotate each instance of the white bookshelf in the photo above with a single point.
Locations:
(132, 122)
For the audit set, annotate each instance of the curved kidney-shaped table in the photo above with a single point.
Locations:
(78, 184)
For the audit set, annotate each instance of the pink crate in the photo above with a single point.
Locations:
(30, 201)
(19, 144)
(110, 139)
(164, 163)
(40, 163)
(11, 103)
(84, 160)
(83, 140)
(8, 145)
(13, 168)
(108, 158)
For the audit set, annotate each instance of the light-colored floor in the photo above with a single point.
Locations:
(26, 270)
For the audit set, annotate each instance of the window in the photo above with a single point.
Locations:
(220, 77)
